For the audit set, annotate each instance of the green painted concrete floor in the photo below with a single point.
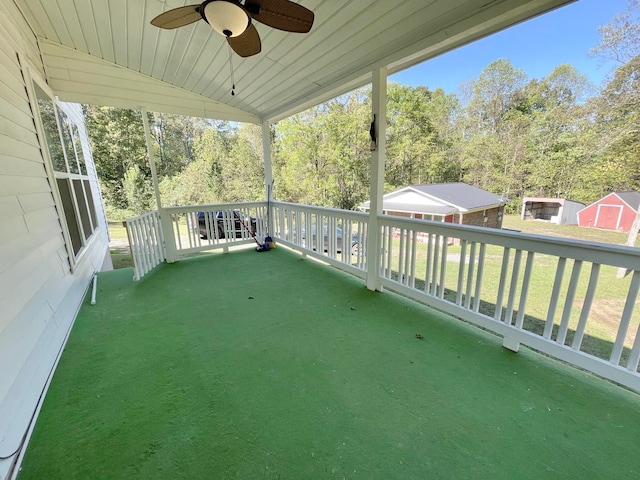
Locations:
(268, 366)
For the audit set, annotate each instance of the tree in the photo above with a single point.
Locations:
(321, 156)
(419, 136)
(201, 182)
(118, 144)
(617, 127)
(175, 136)
(297, 159)
(138, 191)
(496, 91)
(347, 149)
(242, 170)
(496, 119)
(558, 136)
(621, 37)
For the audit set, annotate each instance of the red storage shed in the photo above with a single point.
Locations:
(615, 211)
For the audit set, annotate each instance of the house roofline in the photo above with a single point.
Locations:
(608, 195)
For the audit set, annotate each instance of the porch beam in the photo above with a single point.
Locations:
(378, 157)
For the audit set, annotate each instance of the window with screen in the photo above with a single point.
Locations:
(69, 168)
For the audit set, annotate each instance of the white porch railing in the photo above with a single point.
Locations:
(197, 228)
(146, 242)
(485, 276)
(337, 237)
(581, 314)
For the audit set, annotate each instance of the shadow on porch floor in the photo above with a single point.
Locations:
(268, 366)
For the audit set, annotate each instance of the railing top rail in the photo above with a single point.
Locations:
(213, 206)
(141, 216)
(605, 253)
(333, 211)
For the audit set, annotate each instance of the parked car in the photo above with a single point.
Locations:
(220, 219)
(354, 245)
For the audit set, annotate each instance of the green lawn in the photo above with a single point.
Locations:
(513, 222)
(117, 230)
(120, 253)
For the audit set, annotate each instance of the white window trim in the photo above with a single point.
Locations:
(31, 76)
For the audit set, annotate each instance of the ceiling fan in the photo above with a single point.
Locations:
(232, 19)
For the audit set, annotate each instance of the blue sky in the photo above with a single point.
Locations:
(537, 46)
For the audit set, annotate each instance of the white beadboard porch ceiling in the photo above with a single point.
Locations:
(106, 52)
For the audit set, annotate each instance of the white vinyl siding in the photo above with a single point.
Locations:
(39, 292)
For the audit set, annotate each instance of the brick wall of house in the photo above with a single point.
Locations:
(493, 215)
(494, 220)
(399, 214)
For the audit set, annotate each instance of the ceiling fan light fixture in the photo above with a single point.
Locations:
(227, 18)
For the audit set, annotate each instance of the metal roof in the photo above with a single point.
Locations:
(630, 198)
(440, 199)
(106, 52)
(461, 195)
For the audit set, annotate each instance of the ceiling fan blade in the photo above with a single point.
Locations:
(178, 17)
(281, 14)
(247, 43)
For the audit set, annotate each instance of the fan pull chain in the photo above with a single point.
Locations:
(233, 81)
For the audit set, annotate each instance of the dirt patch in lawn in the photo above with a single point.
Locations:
(606, 314)
(119, 244)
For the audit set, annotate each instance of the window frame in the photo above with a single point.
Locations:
(73, 179)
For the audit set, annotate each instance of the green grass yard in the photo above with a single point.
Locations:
(119, 248)
(117, 231)
(513, 222)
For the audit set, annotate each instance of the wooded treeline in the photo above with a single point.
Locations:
(558, 136)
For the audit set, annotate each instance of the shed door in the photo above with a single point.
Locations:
(608, 216)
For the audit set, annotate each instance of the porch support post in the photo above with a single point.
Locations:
(165, 221)
(266, 157)
(268, 173)
(378, 157)
(152, 160)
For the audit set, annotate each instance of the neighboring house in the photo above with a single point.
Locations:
(449, 202)
(53, 233)
(554, 210)
(615, 211)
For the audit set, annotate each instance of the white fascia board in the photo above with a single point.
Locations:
(400, 191)
(599, 200)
